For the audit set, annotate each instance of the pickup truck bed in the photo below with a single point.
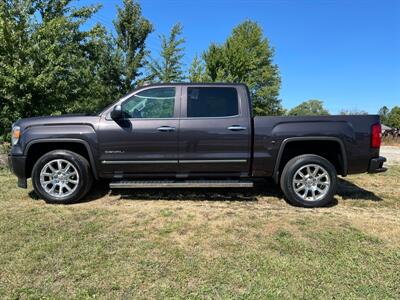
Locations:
(350, 137)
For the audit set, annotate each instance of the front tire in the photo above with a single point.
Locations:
(309, 181)
(61, 176)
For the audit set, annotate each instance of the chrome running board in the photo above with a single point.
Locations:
(139, 184)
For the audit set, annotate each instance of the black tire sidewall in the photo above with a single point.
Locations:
(81, 165)
(293, 165)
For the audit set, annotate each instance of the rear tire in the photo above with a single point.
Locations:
(62, 177)
(309, 181)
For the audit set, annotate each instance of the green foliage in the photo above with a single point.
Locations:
(383, 113)
(309, 108)
(246, 57)
(50, 65)
(169, 67)
(197, 70)
(393, 117)
(215, 62)
(132, 30)
(5, 147)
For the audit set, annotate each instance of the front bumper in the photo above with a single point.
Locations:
(376, 165)
(17, 166)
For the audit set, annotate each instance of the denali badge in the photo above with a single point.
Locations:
(114, 151)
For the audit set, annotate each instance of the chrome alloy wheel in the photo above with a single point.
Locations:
(311, 182)
(59, 178)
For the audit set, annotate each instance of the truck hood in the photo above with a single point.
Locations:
(72, 119)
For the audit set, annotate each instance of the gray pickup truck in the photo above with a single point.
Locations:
(192, 135)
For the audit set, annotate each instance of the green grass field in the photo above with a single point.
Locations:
(202, 244)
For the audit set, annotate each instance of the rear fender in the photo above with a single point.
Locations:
(305, 139)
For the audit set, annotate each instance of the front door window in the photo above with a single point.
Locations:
(157, 103)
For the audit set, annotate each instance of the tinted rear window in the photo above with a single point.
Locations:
(212, 102)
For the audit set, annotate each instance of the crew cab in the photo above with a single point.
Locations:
(192, 135)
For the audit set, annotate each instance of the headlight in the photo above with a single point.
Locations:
(15, 135)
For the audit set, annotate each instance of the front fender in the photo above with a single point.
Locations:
(82, 134)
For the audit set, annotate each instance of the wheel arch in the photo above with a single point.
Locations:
(341, 165)
(43, 146)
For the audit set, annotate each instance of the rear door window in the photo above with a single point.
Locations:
(208, 102)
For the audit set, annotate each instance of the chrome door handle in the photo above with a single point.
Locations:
(166, 128)
(236, 128)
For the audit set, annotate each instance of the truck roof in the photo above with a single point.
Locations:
(192, 83)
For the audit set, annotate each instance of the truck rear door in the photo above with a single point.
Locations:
(214, 131)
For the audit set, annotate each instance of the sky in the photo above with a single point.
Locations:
(345, 52)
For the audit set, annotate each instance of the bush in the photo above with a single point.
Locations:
(4, 147)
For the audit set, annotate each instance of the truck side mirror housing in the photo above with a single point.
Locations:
(116, 113)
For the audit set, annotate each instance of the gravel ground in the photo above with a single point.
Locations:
(392, 154)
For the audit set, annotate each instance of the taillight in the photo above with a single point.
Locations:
(376, 135)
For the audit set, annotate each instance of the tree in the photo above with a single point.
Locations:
(132, 30)
(197, 70)
(169, 67)
(383, 113)
(393, 118)
(246, 57)
(51, 62)
(215, 62)
(309, 108)
(48, 63)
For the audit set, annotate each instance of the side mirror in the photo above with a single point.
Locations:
(116, 113)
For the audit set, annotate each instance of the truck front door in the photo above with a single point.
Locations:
(145, 142)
